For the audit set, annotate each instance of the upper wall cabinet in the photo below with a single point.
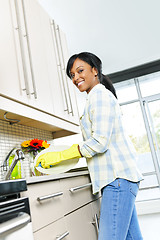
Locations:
(30, 18)
(33, 59)
(12, 72)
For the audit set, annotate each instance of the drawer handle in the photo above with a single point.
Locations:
(95, 222)
(62, 236)
(80, 187)
(49, 196)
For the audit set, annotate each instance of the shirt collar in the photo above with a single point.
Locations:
(98, 86)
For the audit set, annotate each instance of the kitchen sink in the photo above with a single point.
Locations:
(12, 186)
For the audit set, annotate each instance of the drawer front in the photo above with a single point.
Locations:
(46, 203)
(80, 224)
(53, 231)
(77, 192)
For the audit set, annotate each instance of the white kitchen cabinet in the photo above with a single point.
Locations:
(63, 89)
(23, 64)
(34, 18)
(12, 79)
(71, 213)
(32, 72)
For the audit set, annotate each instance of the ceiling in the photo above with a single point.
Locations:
(123, 33)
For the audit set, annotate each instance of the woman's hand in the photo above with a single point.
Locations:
(52, 158)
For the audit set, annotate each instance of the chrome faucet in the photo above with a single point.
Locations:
(19, 155)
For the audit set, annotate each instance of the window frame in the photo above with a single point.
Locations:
(135, 73)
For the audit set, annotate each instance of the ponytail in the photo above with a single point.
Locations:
(108, 84)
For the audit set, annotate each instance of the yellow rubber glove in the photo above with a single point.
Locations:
(52, 158)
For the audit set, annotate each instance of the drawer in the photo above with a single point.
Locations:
(77, 192)
(80, 224)
(53, 231)
(46, 203)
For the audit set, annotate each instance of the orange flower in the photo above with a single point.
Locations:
(36, 143)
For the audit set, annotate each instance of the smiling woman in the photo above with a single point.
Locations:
(86, 68)
(109, 153)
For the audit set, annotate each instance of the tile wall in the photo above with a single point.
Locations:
(14, 135)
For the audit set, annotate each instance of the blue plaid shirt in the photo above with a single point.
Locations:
(107, 148)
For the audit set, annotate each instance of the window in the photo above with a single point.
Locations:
(139, 99)
(149, 84)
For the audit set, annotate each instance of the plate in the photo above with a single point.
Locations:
(62, 167)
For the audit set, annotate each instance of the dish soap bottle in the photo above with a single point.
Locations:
(16, 173)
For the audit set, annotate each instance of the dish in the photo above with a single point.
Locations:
(62, 167)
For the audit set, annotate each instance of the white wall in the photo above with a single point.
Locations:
(150, 226)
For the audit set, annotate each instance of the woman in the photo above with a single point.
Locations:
(109, 153)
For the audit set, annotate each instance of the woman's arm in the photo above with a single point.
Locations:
(102, 116)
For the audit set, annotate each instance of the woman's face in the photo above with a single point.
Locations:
(83, 75)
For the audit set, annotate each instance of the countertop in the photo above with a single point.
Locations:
(44, 178)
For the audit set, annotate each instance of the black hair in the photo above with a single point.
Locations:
(95, 62)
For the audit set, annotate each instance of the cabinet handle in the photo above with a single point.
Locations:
(59, 67)
(95, 222)
(60, 73)
(63, 236)
(80, 187)
(63, 69)
(20, 49)
(33, 91)
(69, 96)
(49, 196)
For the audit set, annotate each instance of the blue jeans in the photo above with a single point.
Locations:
(118, 218)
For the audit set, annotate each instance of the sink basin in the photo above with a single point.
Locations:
(12, 186)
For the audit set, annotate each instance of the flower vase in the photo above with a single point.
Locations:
(32, 159)
(34, 171)
(31, 148)
(26, 165)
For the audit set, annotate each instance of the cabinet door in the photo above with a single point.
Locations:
(68, 105)
(70, 88)
(24, 73)
(79, 224)
(36, 19)
(55, 73)
(12, 79)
